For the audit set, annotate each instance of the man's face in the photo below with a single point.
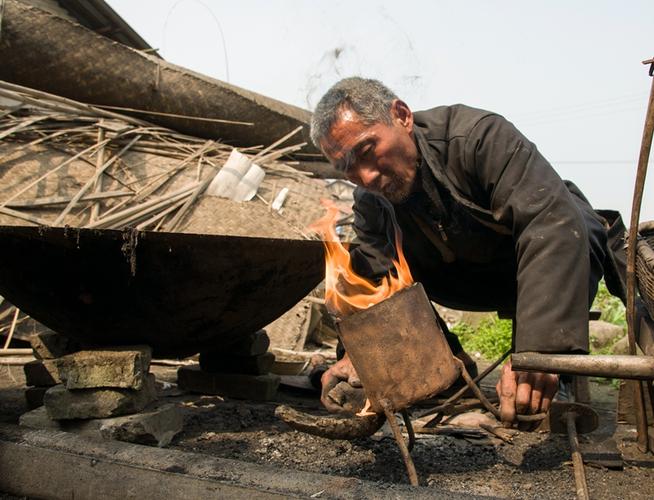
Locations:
(380, 157)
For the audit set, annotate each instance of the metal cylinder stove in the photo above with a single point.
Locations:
(399, 350)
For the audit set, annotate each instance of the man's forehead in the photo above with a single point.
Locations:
(345, 134)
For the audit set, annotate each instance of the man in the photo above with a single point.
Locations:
(487, 223)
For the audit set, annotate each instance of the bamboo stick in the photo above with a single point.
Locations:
(95, 211)
(140, 215)
(92, 181)
(174, 115)
(12, 329)
(16, 361)
(59, 200)
(19, 215)
(160, 216)
(7, 351)
(87, 108)
(174, 222)
(22, 125)
(280, 152)
(276, 143)
(118, 217)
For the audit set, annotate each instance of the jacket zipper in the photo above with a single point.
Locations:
(439, 225)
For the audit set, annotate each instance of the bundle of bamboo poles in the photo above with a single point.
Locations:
(103, 139)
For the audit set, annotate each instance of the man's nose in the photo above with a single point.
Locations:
(368, 175)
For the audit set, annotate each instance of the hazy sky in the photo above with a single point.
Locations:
(567, 73)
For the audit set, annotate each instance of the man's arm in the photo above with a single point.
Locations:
(552, 250)
(527, 196)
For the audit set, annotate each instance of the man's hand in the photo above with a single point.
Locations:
(342, 370)
(524, 393)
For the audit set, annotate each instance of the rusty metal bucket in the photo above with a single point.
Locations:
(399, 350)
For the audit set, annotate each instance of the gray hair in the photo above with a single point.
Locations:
(370, 99)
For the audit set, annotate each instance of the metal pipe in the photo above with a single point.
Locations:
(577, 460)
(624, 367)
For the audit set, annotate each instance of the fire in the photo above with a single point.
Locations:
(345, 291)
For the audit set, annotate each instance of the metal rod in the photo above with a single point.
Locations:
(577, 460)
(449, 402)
(409, 430)
(399, 439)
(624, 367)
(643, 158)
(490, 406)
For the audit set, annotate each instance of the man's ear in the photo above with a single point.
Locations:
(401, 114)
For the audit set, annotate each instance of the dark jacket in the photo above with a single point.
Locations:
(493, 228)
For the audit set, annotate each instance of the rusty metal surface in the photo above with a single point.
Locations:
(586, 419)
(608, 366)
(179, 293)
(398, 350)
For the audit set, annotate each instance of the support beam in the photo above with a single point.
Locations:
(624, 367)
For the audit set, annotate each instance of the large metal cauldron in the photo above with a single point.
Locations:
(179, 293)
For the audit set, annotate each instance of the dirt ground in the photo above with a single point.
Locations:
(536, 465)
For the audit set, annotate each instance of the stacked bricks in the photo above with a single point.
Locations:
(91, 383)
(240, 371)
(42, 373)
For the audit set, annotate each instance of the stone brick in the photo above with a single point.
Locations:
(64, 404)
(50, 345)
(42, 372)
(117, 368)
(238, 386)
(156, 426)
(603, 334)
(247, 365)
(254, 344)
(34, 397)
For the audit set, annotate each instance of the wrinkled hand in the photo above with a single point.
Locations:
(341, 371)
(524, 393)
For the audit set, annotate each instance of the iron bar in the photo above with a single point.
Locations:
(397, 433)
(577, 460)
(609, 366)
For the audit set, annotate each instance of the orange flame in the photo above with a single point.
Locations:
(345, 291)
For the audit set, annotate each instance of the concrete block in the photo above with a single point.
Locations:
(34, 396)
(255, 344)
(248, 365)
(50, 345)
(42, 372)
(157, 426)
(117, 368)
(64, 404)
(255, 387)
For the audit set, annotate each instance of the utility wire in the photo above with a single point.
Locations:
(220, 30)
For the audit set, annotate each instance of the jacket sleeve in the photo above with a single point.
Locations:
(527, 196)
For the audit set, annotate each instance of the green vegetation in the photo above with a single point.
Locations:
(492, 337)
(612, 308)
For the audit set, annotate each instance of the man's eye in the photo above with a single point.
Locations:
(366, 151)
